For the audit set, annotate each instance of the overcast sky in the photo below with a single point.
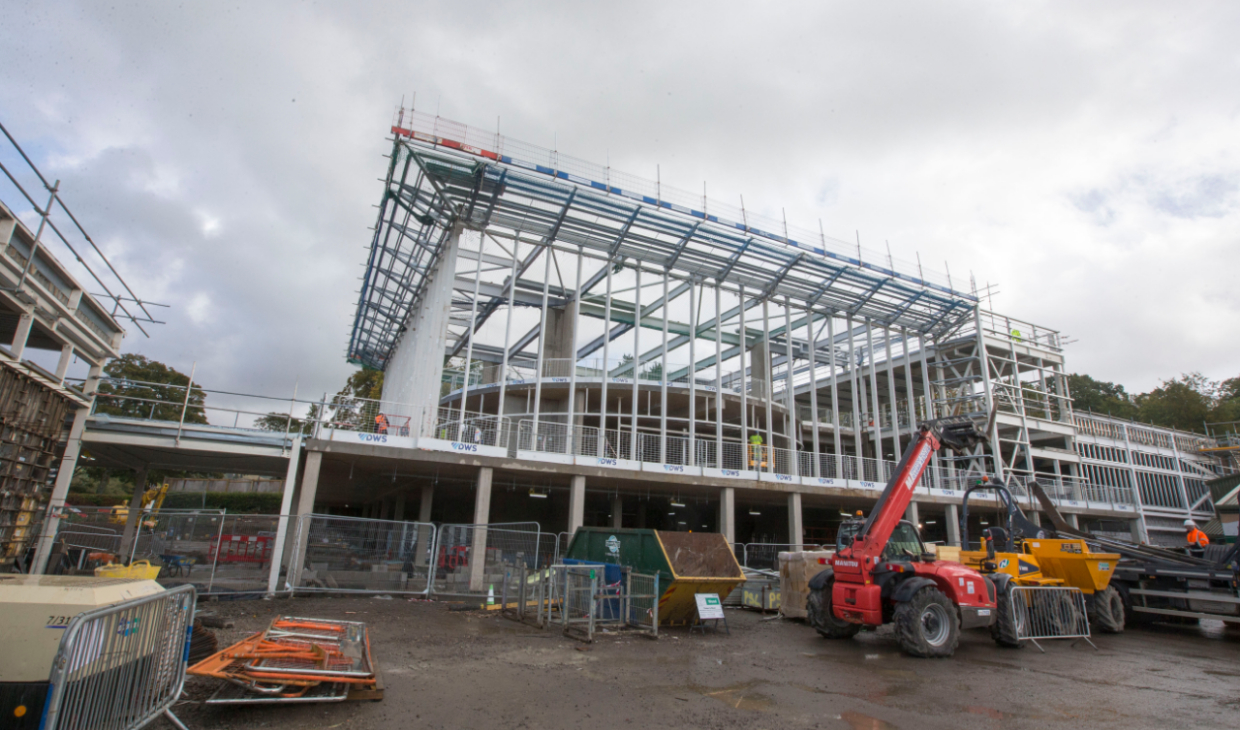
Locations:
(1082, 158)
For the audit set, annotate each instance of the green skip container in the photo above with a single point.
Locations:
(688, 563)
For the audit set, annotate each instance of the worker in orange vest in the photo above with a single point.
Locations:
(1196, 538)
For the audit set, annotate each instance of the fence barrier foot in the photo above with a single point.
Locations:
(176, 722)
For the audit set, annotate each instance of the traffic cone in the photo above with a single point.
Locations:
(491, 595)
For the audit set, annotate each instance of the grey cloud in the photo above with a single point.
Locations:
(952, 129)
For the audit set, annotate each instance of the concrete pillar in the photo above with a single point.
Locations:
(424, 533)
(795, 530)
(279, 547)
(576, 504)
(912, 514)
(952, 515)
(134, 518)
(398, 508)
(1036, 518)
(617, 512)
(1134, 526)
(305, 507)
(21, 335)
(727, 513)
(62, 367)
(482, 514)
(1074, 521)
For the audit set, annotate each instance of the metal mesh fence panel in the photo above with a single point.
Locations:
(1048, 612)
(240, 555)
(733, 456)
(120, 667)
(577, 614)
(643, 603)
(352, 555)
(457, 570)
(180, 542)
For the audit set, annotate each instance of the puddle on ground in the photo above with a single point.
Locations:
(985, 712)
(737, 696)
(857, 721)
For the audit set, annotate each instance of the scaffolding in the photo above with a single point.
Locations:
(585, 314)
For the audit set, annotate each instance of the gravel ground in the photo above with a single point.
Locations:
(472, 669)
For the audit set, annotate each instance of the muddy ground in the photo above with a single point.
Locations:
(457, 669)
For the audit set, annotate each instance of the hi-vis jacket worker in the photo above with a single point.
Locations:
(1195, 537)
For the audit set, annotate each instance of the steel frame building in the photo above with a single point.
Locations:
(531, 306)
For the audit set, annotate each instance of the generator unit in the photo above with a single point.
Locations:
(37, 610)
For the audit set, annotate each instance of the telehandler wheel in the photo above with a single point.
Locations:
(819, 615)
(1008, 624)
(1109, 611)
(928, 624)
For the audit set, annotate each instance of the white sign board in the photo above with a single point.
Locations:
(709, 606)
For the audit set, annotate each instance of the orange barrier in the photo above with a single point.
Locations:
(284, 662)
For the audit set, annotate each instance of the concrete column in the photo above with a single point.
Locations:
(398, 508)
(62, 367)
(482, 514)
(1074, 521)
(21, 334)
(576, 504)
(134, 518)
(795, 529)
(424, 516)
(305, 507)
(727, 513)
(1134, 526)
(280, 546)
(912, 514)
(617, 512)
(952, 515)
(1035, 517)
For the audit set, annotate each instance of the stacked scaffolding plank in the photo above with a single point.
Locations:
(32, 420)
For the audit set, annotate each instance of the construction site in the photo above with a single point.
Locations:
(688, 446)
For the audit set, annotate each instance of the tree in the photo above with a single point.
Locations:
(1100, 396)
(140, 388)
(1184, 402)
(349, 406)
(279, 422)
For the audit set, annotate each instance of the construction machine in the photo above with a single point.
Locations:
(1154, 582)
(881, 573)
(1022, 553)
(152, 500)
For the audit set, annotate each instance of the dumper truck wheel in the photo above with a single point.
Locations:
(928, 625)
(818, 613)
(1008, 624)
(1109, 611)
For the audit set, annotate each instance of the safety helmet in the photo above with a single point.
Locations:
(1189, 523)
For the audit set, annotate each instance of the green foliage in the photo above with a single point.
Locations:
(279, 422)
(1100, 397)
(1186, 403)
(256, 503)
(142, 388)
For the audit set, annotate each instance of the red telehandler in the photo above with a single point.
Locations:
(882, 573)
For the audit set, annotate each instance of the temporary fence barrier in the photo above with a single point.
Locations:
(581, 587)
(358, 555)
(1049, 612)
(458, 571)
(120, 667)
(643, 603)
